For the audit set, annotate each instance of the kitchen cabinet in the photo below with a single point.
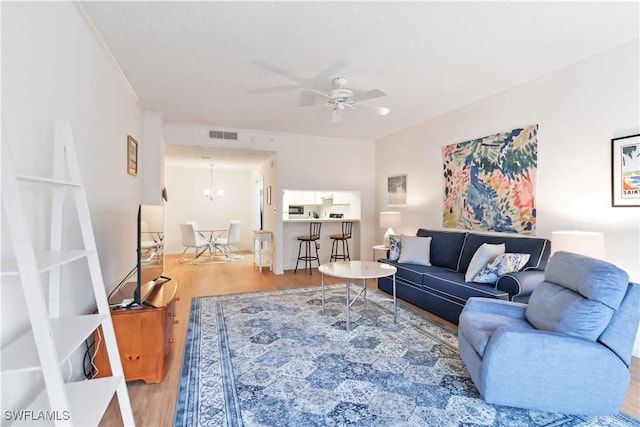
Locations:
(342, 198)
(294, 198)
(309, 198)
(318, 197)
(302, 198)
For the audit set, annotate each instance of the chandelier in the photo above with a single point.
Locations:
(208, 192)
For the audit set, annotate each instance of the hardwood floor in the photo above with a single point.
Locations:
(154, 404)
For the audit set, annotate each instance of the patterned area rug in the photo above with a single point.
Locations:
(273, 359)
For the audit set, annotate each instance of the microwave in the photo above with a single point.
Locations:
(296, 210)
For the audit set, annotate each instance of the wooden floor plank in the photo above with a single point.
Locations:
(154, 404)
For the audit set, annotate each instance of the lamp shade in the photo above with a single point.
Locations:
(390, 219)
(586, 243)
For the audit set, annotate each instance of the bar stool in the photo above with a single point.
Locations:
(344, 238)
(262, 238)
(312, 237)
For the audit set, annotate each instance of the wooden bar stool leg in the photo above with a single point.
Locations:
(298, 260)
(345, 250)
(315, 245)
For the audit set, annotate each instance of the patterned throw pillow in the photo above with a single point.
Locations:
(483, 255)
(395, 244)
(502, 264)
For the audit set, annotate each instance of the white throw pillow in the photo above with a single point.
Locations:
(415, 250)
(481, 258)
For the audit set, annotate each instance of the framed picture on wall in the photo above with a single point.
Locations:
(625, 171)
(397, 190)
(132, 156)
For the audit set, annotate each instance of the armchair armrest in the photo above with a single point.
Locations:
(495, 306)
(520, 285)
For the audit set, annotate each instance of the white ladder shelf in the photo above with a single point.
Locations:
(52, 339)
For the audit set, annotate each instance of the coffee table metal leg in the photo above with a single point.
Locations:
(322, 293)
(364, 285)
(348, 307)
(395, 305)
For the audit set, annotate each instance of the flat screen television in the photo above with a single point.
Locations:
(150, 252)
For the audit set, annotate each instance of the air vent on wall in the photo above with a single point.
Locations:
(218, 134)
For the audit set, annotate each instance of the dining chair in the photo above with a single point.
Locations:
(191, 239)
(227, 244)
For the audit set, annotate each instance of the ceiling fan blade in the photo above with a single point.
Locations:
(336, 116)
(277, 70)
(383, 111)
(328, 74)
(304, 107)
(317, 92)
(281, 88)
(370, 94)
(307, 98)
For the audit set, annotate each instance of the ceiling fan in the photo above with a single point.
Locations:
(340, 98)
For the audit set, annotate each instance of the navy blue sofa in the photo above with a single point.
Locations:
(441, 289)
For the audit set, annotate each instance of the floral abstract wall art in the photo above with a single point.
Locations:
(490, 182)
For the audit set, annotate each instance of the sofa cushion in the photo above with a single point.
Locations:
(592, 278)
(484, 254)
(452, 284)
(578, 297)
(500, 265)
(554, 308)
(410, 272)
(446, 247)
(538, 248)
(415, 250)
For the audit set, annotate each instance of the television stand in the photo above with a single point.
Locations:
(144, 335)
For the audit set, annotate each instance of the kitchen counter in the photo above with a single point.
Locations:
(320, 220)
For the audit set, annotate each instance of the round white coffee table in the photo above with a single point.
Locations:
(360, 270)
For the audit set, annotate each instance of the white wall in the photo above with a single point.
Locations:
(54, 69)
(151, 159)
(302, 163)
(579, 110)
(186, 202)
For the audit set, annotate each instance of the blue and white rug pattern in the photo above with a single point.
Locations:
(273, 359)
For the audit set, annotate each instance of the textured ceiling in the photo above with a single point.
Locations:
(205, 62)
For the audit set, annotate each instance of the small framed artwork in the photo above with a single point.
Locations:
(132, 156)
(397, 190)
(625, 171)
(269, 195)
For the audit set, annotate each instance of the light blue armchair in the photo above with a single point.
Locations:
(567, 351)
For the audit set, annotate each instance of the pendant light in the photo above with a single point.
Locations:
(208, 192)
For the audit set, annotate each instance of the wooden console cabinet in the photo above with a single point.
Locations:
(145, 337)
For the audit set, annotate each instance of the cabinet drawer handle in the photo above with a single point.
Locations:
(177, 298)
(172, 340)
(177, 321)
(173, 314)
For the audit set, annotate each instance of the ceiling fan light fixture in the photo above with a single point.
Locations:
(341, 98)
